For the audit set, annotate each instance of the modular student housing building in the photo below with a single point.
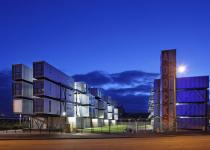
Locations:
(51, 99)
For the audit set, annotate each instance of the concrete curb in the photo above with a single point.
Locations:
(91, 136)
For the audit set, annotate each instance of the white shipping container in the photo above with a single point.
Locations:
(22, 72)
(69, 95)
(116, 110)
(115, 117)
(110, 115)
(110, 108)
(85, 111)
(101, 114)
(70, 109)
(81, 86)
(52, 73)
(47, 106)
(23, 106)
(84, 99)
(22, 89)
(51, 89)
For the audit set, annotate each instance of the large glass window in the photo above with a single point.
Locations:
(17, 89)
(38, 105)
(38, 69)
(39, 87)
(17, 72)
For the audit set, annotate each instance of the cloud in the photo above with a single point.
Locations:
(132, 77)
(129, 88)
(94, 78)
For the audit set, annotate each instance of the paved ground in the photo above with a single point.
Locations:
(198, 142)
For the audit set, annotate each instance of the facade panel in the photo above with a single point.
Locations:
(193, 82)
(184, 96)
(191, 123)
(46, 88)
(22, 89)
(23, 106)
(70, 109)
(81, 86)
(102, 105)
(110, 116)
(22, 72)
(191, 110)
(47, 106)
(110, 108)
(101, 114)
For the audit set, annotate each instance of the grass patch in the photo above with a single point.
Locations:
(107, 129)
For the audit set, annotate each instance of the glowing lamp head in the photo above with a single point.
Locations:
(181, 69)
(64, 114)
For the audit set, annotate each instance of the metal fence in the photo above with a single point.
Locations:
(23, 125)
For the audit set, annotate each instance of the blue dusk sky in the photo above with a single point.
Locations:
(114, 44)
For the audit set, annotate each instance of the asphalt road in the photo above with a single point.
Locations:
(201, 142)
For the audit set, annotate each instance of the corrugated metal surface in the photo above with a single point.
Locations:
(193, 82)
(22, 72)
(81, 86)
(192, 96)
(191, 123)
(43, 69)
(191, 110)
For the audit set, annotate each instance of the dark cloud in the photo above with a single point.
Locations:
(94, 78)
(129, 77)
(126, 77)
(128, 88)
(133, 103)
(127, 91)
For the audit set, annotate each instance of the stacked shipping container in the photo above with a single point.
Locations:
(192, 102)
(192, 96)
(22, 89)
(48, 94)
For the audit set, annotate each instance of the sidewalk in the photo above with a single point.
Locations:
(11, 135)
